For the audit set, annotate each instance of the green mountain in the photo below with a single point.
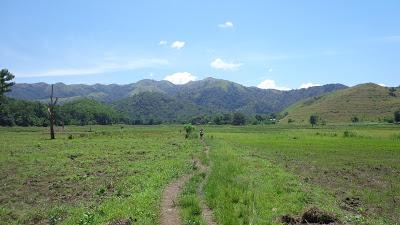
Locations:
(164, 101)
(364, 102)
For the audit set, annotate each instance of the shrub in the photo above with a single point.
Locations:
(347, 134)
(188, 130)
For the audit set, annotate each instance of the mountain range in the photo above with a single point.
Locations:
(164, 100)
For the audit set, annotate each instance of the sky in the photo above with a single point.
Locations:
(269, 44)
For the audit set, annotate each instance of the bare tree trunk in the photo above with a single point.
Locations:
(52, 115)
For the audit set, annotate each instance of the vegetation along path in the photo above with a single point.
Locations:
(206, 211)
(169, 202)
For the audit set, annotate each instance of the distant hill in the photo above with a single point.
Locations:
(366, 102)
(163, 100)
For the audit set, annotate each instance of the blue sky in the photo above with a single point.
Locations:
(270, 44)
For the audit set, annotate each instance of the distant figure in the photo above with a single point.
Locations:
(201, 133)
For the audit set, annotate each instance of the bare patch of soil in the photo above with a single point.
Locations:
(311, 216)
(169, 208)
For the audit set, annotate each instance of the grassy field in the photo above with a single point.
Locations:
(258, 174)
(89, 178)
(262, 173)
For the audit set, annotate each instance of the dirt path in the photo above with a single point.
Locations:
(169, 207)
(169, 202)
(206, 211)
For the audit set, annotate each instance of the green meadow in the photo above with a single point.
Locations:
(99, 174)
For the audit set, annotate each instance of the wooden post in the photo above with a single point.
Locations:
(52, 114)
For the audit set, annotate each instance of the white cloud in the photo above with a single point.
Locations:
(180, 78)
(162, 42)
(105, 67)
(220, 64)
(270, 84)
(308, 85)
(178, 44)
(383, 85)
(227, 24)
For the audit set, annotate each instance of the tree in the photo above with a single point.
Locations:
(313, 120)
(392, 92)
(5, 82)
(355, 119)
(52, 113)
(397, 117)
(238, 119)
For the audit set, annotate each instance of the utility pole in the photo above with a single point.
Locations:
(52, 114)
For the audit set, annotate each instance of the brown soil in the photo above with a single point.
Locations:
(169, 207)
(121, 222)
(311, 216)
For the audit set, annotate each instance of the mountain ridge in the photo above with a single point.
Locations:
(174, 102)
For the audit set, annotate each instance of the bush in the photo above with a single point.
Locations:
(347, 134)
(189, 130)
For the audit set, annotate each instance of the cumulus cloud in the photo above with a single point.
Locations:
(178, 44)
(227, 24)
(270, 84)
(220, 64)
(180, 78)
(162, 42)
(383, 85)
(114, 65)
(308, 85)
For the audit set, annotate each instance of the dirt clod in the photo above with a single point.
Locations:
(311, 216)
(315, 215)
(287, 219)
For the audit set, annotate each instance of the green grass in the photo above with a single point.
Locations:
(189, 201)
(368, 102)
(93, 178)
(262, 173)
(259, 173)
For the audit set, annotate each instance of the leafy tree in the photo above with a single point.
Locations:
(313, 120)
(5, 82)
(238, 119)
(392, 92)
(397, 117)
(259, 118)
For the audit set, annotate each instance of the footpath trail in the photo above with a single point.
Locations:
(169, 202)
(206, 211)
